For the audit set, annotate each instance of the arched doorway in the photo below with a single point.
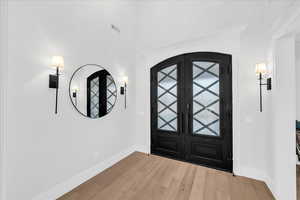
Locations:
(191, 109)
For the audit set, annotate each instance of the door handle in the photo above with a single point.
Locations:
(182, 122)
(188, 118)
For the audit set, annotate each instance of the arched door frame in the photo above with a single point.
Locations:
(182, 145)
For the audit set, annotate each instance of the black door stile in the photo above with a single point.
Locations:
(211, 144)
(102, 88)
(167, 142)
(210, 150)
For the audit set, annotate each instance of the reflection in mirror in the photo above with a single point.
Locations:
(93, 91)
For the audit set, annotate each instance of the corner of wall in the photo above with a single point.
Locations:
(3, 72)
(283, 182)
(253, 173)
(142, 148)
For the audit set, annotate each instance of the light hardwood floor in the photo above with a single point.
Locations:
(143, 177)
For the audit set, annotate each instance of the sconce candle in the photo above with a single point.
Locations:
(58, 63)
(123, 89)
(74, 94)
(261, 70)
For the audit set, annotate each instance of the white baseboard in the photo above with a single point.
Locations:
(142, 148)
(252, 173)
(80, 178)
(258, 175)
(271, 186)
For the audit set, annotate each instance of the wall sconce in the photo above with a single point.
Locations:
(75, 93)
(58, 63)
(123, 89)
(261, 71)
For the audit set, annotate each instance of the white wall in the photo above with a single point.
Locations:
(254, 126)
(283, 170)
(3, 82)
(44, 149)
(297, 57)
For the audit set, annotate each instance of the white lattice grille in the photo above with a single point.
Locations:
(94, 105)
(206, 120)
(111, 93)
(167, 98)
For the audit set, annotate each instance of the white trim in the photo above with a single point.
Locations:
(252, 173)
(288, 25)
(258, 175)
(80, 178)
(143, 148)
(3, 89)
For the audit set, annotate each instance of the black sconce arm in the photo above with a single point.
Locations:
(54, 83)
(269, 87)
(123, 91)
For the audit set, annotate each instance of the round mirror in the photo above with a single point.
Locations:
(93, 91)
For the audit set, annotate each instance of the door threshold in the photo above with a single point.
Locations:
(187, 161)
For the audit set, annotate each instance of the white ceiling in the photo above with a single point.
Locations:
(158, 21)
(165, 22)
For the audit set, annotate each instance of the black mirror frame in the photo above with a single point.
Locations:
(70, 93)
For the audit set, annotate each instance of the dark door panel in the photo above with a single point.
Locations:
(168, 146)
(191, 110)
(208, 106)
(206, 153)
(206, 150)
(166, 101)
(97, 94)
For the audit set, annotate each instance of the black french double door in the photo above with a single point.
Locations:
(191, 109)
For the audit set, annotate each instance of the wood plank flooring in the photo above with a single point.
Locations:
(149, 177)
